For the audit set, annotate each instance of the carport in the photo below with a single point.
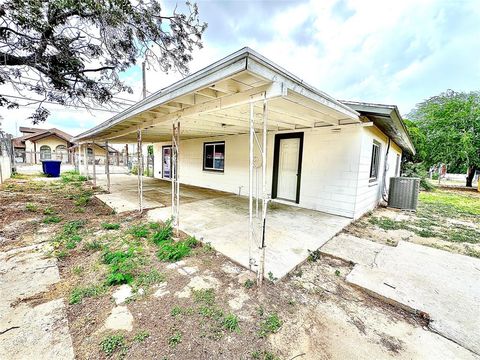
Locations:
(243, 93)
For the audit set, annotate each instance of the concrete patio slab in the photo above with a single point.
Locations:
(290, 231)
(419, 278)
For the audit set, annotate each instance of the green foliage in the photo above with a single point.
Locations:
(72, 177)
(110, 226)
(264, 355)
(270, 325)
(451, 124)
(164, 233)
(248, 284)
(78, 270)
(204, 296)
(452, 201)
(31, 207)
(79, 293)
(385, 223)
(175, 339)
(48, 211)
(192, 242)
(417, 170)
(173, 251)
(230, 323)
(271, 277)
(141, 336)
(139, 231)
(72, 241)
(51, 220)
(121, 266)
(151, 278)
(337, 272)
(113, 343)
(93, 245)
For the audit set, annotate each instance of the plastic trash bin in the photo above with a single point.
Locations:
(51, 167)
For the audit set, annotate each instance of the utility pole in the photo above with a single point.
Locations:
(144, 81)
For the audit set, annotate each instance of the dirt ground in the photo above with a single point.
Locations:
(446, 219)
(205, 306)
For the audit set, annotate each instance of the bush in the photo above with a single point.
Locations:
(121, 266)
(417, 170)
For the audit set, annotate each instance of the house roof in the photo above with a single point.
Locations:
(216, 99)
(111, 149)
(388, 119)
(36, 134)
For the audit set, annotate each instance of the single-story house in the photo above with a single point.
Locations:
(246, 126)
(38, 144)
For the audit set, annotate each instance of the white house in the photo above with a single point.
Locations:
(246, 126)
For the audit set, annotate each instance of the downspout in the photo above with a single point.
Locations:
(384, 190)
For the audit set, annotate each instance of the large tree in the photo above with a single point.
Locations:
(72, 51)
(451, 124)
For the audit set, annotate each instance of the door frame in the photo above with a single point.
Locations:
(276, 158)
(163, 172)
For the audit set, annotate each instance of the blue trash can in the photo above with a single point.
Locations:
(51, 167)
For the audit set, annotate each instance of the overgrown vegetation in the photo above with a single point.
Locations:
(270, 325)
(113, 343)
(79, 293)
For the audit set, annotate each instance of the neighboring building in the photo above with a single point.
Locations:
(40, 144)
(322, 154)
(100, 153)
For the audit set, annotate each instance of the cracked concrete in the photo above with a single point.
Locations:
(419, 279)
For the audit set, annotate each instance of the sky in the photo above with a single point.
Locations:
(381, 51)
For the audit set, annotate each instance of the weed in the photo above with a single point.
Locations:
(230, 323)
(472, 252)
(211, 312)
(48, 211)
(248, 284)
(208, 248)
(112, 343)
(425, 233)
(93, 245)
(72, 227)
(261, 310)
(192, 242)
(173, 251)
(73, 241)
(176, 310)
(72, 177)
(78, 270)
(110, 226)
(264, 355)
(270, 325)
(139, 231)
(51, 220)
(314, 256)
(205, 296)
(141, 336)
(150, 278)
(164, 233)
(271, 277)
(121, 265)
(175, 339)
(386, 223)
(31, 207)
(60, 254)
(337, 272)
(79, 293)
(82, 200)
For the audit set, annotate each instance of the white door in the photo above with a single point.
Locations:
(288, 169)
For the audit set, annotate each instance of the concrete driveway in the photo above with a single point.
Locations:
(443, 285)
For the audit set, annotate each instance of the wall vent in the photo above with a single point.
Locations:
(403, 193)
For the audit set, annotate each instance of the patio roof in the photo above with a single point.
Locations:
(215, 101)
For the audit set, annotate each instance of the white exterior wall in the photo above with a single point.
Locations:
(5, 168)
(369, 194)
(329, 167)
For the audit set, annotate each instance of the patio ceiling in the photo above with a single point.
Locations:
(215, 101)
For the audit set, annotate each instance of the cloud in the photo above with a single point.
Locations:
(371, 50)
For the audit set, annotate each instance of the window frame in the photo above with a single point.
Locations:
(213, 143)
(374, 164)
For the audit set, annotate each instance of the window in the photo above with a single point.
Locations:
(45, 152)
(214, 156)
(375, 162)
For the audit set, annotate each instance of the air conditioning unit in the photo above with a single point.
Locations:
(403, 193)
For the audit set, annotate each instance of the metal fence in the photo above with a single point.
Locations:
(118, 164)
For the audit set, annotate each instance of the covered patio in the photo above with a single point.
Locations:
(242, 94)
(221, 218)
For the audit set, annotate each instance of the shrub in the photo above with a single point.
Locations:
(121, 265)
(410, 169)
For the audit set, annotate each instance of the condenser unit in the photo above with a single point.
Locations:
(403, 193)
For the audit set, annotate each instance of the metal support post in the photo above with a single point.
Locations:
(175, 174)
(94, 165)
(107, 165)
(140, 169)
(85, 159)
(262, 245)
(250, 189)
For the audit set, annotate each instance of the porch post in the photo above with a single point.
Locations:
(107, 166)
(94, 165)
(85, 159)
(250, 188)
(262, 245)
(140, 169)
(174, 175)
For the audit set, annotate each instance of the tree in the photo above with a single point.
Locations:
(71, 52)
(451, 123)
